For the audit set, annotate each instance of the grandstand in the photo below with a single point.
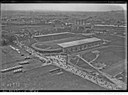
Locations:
(55, 36)
(79, 45)
(69, 46)
(65, 42)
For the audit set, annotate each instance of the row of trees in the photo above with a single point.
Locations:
(7, 39)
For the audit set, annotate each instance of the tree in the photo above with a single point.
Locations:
(118, 23)
(7, 39)
(81, 29)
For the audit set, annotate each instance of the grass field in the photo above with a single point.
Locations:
(113, 55)
(10, 55)
(89, 56)
(115, 40)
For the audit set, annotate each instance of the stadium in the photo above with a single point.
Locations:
(65, 43)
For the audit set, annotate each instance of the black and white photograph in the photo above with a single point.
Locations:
(63, 47)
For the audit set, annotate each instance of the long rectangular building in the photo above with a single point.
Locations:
(78, 42)
(53, 34)
(79, 45)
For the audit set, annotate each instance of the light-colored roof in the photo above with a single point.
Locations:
(78, 42)
(52, 34)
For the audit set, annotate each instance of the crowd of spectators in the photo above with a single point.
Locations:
(95, 79)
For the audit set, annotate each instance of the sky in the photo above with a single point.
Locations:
(63, 7)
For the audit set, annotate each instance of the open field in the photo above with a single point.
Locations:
(89, 56)
(113, 56)
(11, 55)
(115, 40)
(115, 68)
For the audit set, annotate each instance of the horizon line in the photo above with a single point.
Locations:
(65, 10)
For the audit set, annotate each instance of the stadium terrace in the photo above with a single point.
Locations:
(70, 46)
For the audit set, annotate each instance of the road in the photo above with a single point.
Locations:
(97, 55)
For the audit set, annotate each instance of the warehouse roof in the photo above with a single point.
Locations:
(52, 34)
(78, 42)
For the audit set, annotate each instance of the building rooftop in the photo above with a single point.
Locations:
(53, 34)
(78, 42)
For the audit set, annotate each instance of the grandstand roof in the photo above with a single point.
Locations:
(78, 42)
(52, 34)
